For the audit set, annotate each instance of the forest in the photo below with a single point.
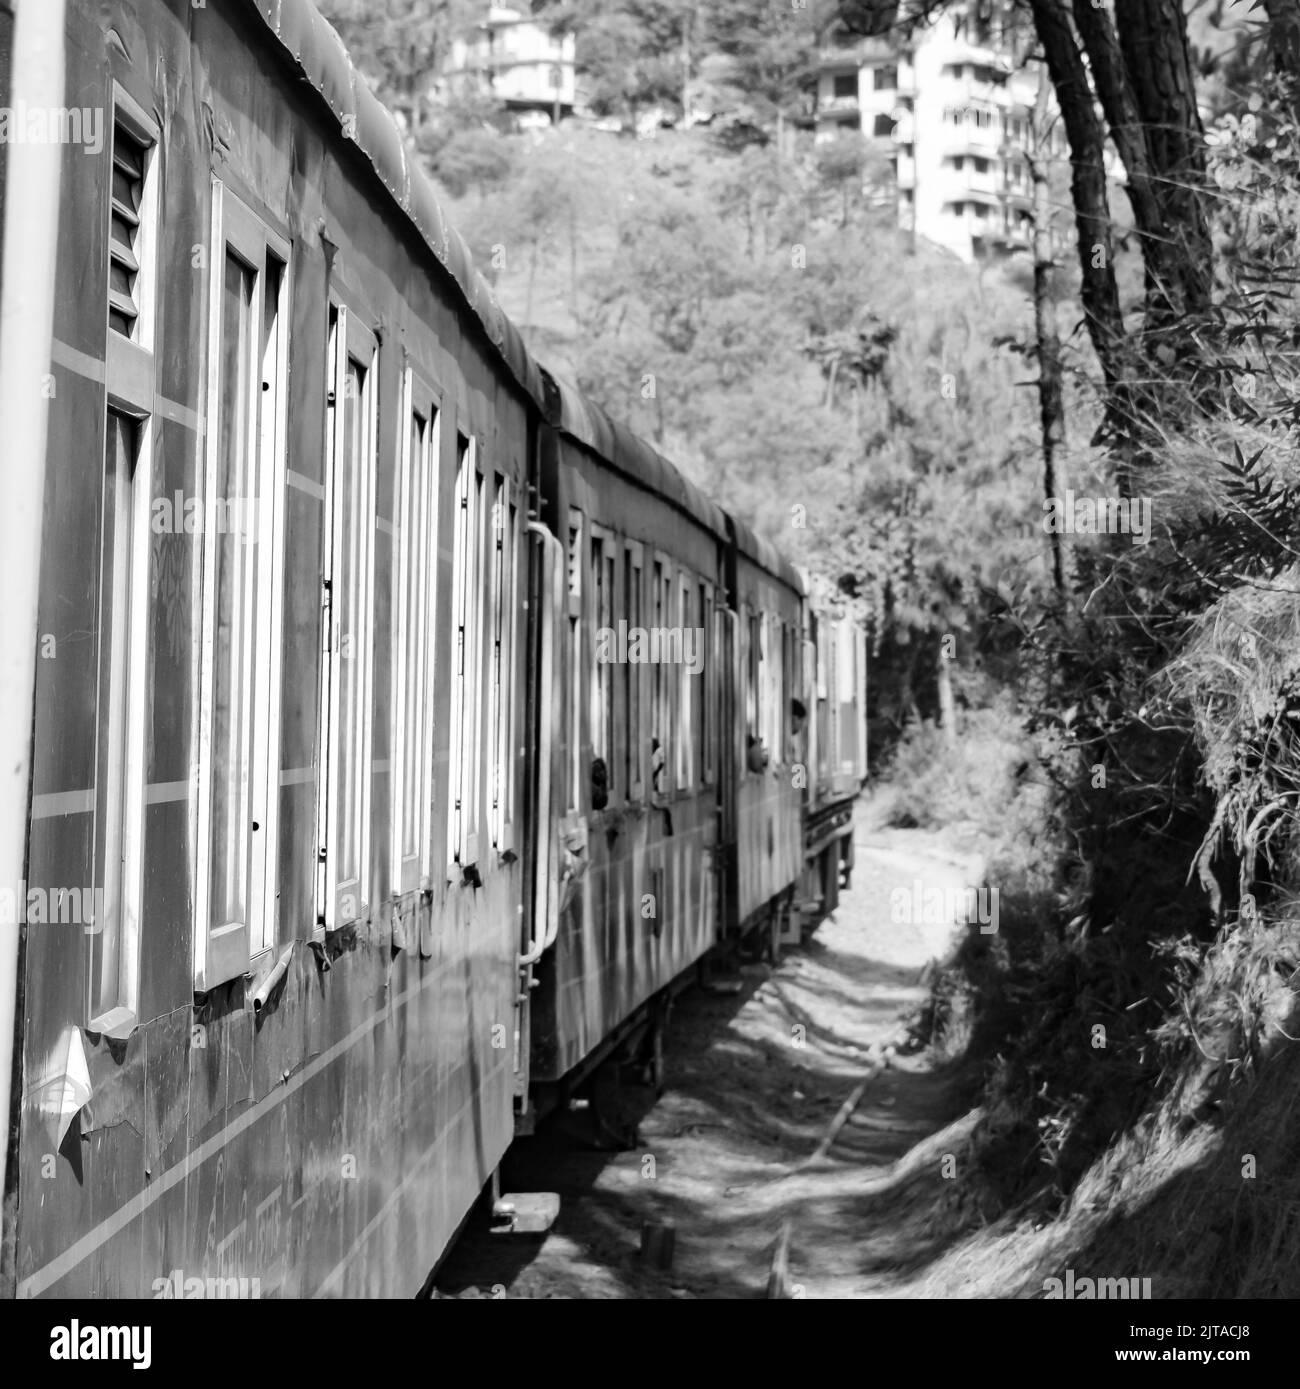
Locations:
(1112, 712)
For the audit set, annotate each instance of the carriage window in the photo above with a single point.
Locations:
(682, 650)
(752, 677)
(413, 644)
(632, 671)
(602, 670)
(504, 540)
(775, 654)
(236, 601)
(661, 682)
(467, 566)
(114, 916)
(241, 553)
(573, 582)
(119, 779)
(704, 685)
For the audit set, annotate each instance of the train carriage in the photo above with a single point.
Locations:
(766, 790)
(360, 827)
(302, 454)
(639, 715)
(836, 710)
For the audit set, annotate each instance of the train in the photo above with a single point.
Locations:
(405, 730)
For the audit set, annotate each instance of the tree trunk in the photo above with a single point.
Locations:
(1284, 33)
(1051, 400)
(1284, 41)
(1087, 139)
(947, 702)
(1118, 102)
(1179, 262)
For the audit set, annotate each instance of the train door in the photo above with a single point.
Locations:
(543, 781)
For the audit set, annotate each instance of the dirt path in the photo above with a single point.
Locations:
(753, 1083)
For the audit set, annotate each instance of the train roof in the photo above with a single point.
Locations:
(767, 556)
(584, 421)
(316, 49)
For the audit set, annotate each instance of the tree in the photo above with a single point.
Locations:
(632, 54)
(400, 45)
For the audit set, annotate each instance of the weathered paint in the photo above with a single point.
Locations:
(330, 1142)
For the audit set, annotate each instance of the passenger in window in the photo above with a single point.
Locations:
(756, 756)
(659, 778)
(599, 784)
(798, 717)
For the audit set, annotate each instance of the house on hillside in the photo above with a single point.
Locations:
(514, 59)
(953, 106)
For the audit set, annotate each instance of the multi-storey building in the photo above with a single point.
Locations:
(516, 60)
(952, 107)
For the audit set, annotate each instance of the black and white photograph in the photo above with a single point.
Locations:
(650, 651)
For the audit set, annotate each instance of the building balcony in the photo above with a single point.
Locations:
(838, 106)
(986, 143)
(983, 197)
(981, 55)
(1011, 237)
(854, 52)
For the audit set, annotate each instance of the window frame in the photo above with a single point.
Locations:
(350, 340)
(575, 590)
(600, 551)
(123, 652)
(663, 710)
(418, 516)
(710, 620)
(683, 588)
(634, 758)
(464, 804)
(236, 947)
(505, 543)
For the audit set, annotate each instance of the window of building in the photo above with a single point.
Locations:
(887, 78)
(883, 127)
(845, 85)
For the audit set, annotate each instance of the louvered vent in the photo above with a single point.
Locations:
(574, 560)
(129, 156)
